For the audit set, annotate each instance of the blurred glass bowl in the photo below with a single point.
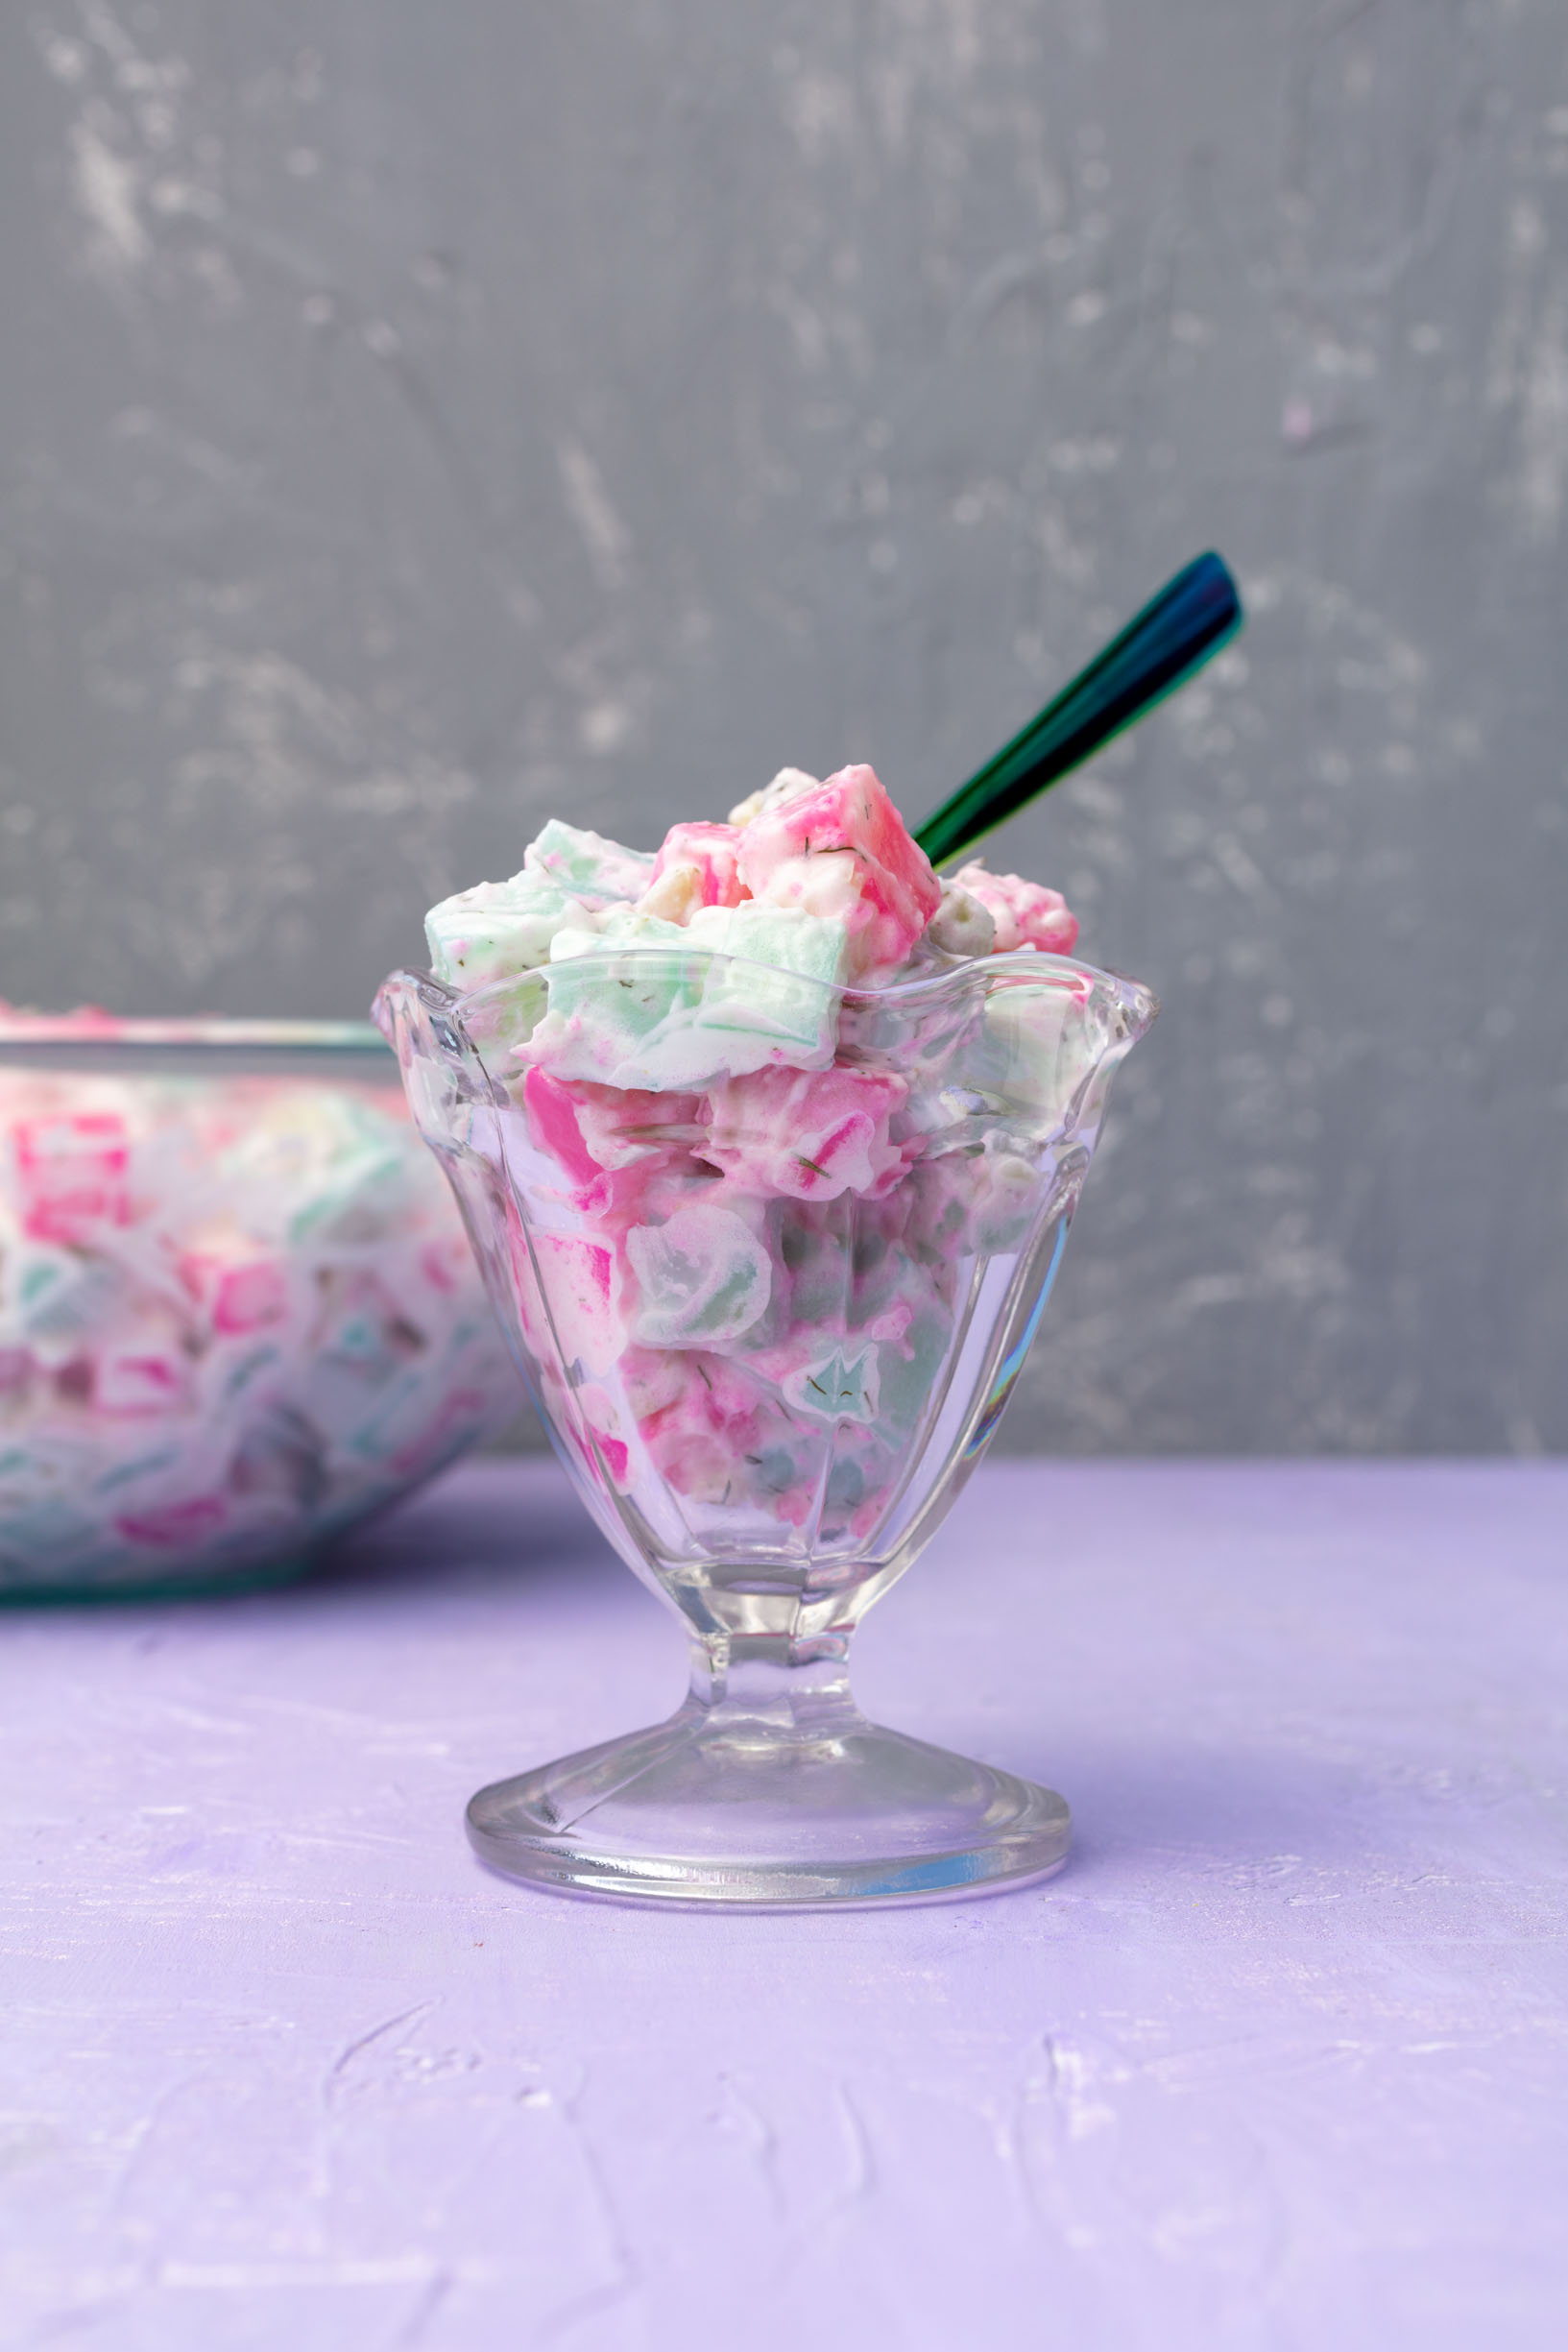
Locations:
(238, 1311)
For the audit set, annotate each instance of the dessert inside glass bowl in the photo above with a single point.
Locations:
(768, 1142)
(708, 1106)
(238, 1311)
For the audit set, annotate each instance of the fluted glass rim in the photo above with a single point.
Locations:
(1027, 963)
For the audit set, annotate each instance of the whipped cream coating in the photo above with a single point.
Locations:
(235, 1313)
(744, 1202)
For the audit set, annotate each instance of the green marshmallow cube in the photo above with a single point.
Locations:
(702, 1279)
(587, 864)
(760, 988)
(1035, 1049)
(496, 929)
(611, 1015)
(777, 1001)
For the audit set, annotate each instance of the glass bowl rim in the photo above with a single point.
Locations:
(1025, 963)
(38, 1035)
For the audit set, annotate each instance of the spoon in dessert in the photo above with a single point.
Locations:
(1184, 626)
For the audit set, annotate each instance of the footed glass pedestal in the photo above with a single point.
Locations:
(769, 1787)
(771, 1256)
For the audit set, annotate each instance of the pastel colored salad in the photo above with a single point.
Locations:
(746, 1186)
(236, 1312)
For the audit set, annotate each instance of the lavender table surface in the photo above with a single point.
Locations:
(1279, 2062)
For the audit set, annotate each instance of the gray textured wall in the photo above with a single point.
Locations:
(417, 416)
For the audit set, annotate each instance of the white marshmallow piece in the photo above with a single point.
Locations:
(961, 926)
(784, 786)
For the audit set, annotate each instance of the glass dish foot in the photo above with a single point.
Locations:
(791, 1807)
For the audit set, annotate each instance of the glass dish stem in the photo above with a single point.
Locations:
(768, 1787)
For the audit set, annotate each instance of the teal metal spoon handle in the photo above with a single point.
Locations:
(1186, 624)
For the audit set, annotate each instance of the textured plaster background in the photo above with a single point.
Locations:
(414, 419)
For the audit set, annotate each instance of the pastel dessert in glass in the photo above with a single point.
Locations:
(767, 1141)
(238, 1308)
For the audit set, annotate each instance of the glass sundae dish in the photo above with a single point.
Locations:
(767, 1147)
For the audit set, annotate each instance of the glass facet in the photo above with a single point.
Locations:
(769, 1345)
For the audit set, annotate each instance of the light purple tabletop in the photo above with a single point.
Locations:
(1279, 2062)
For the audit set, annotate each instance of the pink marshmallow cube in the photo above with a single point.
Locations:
(590, 1128)
(72, 1171)
(806, 1134)
(701, 1438)
(1026, 913)
(240, 1295)
(581, 1298)
(841, 849)
(696, 865)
